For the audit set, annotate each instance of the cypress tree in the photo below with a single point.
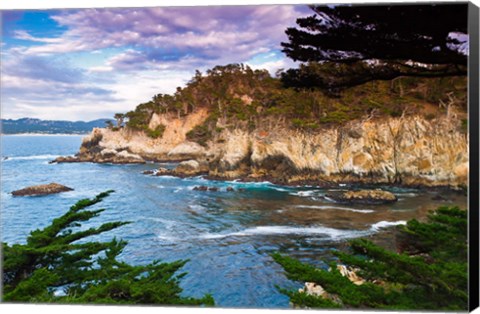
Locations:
(60, 256)
(429, 273)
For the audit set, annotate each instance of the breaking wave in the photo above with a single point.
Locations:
(326, 232)
(34, 157)
(363, 211)
(385, 224)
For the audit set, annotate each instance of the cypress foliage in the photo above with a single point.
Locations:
(431, 272)
(88, 271)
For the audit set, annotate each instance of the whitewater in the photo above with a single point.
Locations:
(228, 237)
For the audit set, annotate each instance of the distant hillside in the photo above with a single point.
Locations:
(29, 125)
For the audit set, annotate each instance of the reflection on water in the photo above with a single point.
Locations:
(227, 236)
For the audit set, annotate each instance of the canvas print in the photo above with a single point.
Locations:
(262, 156)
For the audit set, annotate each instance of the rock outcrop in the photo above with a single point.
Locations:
(42, 189)
(314, 289)
(91, 151)
(191, 168)
(363, 197)
(408, 150)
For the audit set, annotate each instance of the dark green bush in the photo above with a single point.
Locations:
(200, 134)
(157, 132)
(431, 272)
(236, 93)
(87, 271)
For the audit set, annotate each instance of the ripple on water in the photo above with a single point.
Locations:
(227, 237)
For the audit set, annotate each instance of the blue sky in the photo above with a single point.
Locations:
(83, 64)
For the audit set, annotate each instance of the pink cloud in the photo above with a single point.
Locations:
(210, 33)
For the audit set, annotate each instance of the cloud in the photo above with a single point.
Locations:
(49, 88)
(97, 62)
(209, 33)
(22, 34)
(42, 68)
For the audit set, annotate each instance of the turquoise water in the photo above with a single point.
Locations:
(227, 236)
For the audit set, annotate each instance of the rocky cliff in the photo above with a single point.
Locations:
(408, 150)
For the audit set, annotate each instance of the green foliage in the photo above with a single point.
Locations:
(200, 134)
(138, 120)
(353, 36)
(61, 257)
(119, 117)
(204, 132)
(305, 124)
(430, 274)
(464, 126)
(249, 99)
(157, 132)
(109, 124)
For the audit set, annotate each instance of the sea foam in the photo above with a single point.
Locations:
(331, 233)
(363, 211)
(385, 224)
(34, 157)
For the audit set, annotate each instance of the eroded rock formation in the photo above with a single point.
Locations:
(408, 150)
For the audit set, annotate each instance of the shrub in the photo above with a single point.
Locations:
(202, 132)
(464, 126)
(305, 124)
(88, 271)
(430, 274)
(157, 132)
(430, 116)
(138, 120)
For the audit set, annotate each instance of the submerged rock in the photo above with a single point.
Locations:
(439, 197)
(42, 189)
(65, 159)
(363, 197)
(230, 189)
(163, 172)
(205, 188)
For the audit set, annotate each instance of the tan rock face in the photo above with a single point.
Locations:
(407, 150)
(176, 129)
(171, 146)
(410, 150)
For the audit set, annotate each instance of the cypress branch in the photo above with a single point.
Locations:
(87, 271)
(431, 273)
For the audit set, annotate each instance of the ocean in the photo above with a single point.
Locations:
(226, 236)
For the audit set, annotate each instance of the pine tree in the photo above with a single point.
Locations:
(60, 256)
(429, 274)
(344, 45)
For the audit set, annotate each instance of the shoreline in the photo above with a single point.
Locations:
(321, 184)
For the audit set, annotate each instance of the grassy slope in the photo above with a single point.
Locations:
(243, 98)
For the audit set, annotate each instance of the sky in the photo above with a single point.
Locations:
(85, 64)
